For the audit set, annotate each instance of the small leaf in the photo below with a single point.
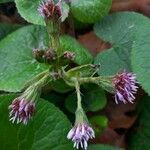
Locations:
(46, 130)
(88, 11)
(65, 11)
(99, 123)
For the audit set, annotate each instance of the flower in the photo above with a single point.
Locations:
(80, 134)
(50, 10)
(125, 87)
(21, 110)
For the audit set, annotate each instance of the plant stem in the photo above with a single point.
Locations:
(95, 80)
(77, 86)
(35, 88)
(53, 29)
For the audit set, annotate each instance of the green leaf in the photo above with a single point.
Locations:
(140, 57)
(60, 86)
(112, 65)
(139, 138)
(46, 130)
(103, 147)
(88, 11)
(17, 63)
(29, 11)
(6, 29)
(82, 54)
(119, 29)
(56, 98)
(6, 1)
(92, 100)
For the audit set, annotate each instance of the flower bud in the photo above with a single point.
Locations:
(38, 55)
(49, 56)
(69, 55)
(50, 10)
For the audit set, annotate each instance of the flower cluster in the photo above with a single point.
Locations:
(80, 134)
(21, 110)
(50, 10)
(125, 87)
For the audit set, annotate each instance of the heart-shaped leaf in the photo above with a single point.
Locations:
(46, 130)
(119, 29)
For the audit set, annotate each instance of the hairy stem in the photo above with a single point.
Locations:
(53, 29)
(77, 86)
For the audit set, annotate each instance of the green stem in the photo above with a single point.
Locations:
(34, 90)
(95, 80)
(35, 79)
(53, 29)
(77, 86)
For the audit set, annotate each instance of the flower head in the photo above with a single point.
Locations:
(50, 10)
(21, 110)
(125, 87)
(80, 134)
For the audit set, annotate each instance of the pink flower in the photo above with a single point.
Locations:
(21, 110)
(125, 87)
(80, 134)
(50, 10)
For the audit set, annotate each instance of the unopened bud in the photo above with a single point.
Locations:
(50, 10)
(38, 55)
(69, 55)
(49, 56)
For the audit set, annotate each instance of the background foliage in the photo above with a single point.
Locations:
(126, 33)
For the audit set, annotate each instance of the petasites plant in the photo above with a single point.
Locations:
(41, 59)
